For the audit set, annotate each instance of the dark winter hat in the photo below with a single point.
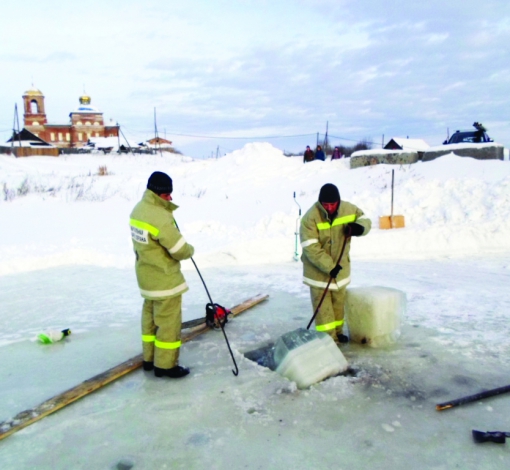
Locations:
(160, 183)
(329, 193)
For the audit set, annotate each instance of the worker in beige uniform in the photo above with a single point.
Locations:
(324, 228)
(159, 247)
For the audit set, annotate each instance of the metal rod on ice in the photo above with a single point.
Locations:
(471, 398)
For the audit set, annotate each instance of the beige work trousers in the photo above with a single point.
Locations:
(330, 317)
(161, 331)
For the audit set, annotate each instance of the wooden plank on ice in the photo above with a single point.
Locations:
(27, 417)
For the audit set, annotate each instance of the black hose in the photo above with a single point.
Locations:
(346, 238)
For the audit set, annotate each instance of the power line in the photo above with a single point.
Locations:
(225, 148)
(240, 138)
(147, 132)
(353, 140)
(170, 133)
(255, 137)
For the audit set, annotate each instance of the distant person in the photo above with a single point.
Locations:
(337, 154)
(308, 155)
(319, 154)
(324, 228)
(159, 247)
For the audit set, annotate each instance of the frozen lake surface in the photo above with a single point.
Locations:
(455, 342)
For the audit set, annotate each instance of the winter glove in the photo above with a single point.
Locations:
(355, 229)
(334, 272)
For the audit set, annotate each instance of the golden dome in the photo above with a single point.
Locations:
(85, 99)
(33, 92)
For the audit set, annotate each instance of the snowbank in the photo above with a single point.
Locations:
(240, 210)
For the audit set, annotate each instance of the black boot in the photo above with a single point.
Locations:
(148, 365)
(177, 372)
(174, 373)
(160, 372)
(342, 338)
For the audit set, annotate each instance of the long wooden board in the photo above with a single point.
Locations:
(27, 417)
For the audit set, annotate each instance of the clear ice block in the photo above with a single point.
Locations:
(307, 357)
(374, 315)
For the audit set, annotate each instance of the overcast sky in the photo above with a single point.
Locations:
(263, 68)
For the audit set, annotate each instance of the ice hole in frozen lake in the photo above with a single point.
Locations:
(373, 316)
(302, 356)
(264, 356)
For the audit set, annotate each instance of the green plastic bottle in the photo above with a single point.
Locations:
(53, 336)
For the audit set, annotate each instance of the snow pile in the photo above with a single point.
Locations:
(240, 210)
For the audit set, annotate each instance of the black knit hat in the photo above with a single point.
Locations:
(160, 183)
(329, 193)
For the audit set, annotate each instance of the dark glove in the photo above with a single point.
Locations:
(334, 272)
(355, 229)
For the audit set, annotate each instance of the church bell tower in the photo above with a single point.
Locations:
(33, 101)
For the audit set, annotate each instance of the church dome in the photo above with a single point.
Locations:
(85, 106)
(85, 99)
(33, 92)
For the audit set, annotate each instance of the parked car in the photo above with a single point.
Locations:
(479, 135)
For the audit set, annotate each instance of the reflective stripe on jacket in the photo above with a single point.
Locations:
(322, 240)
(159, 248)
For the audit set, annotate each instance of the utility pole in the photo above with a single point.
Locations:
(317, 143)
(156, 137)
(129, 146)
(15, 128)
(217, 151)
(326, 139)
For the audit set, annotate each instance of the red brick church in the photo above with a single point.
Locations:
(86, 121)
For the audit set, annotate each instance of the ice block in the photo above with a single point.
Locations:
(374, 315)
(307, 357)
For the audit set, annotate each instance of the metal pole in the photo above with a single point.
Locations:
(471, 398)
(13, 128)
(326, 140)
(392, 183)
(129, 146)
(156, 137)
(296, 253)
(17, 125)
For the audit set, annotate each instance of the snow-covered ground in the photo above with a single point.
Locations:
(240, 210)
(67, 262)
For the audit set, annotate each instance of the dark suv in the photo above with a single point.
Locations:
(479, 135)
